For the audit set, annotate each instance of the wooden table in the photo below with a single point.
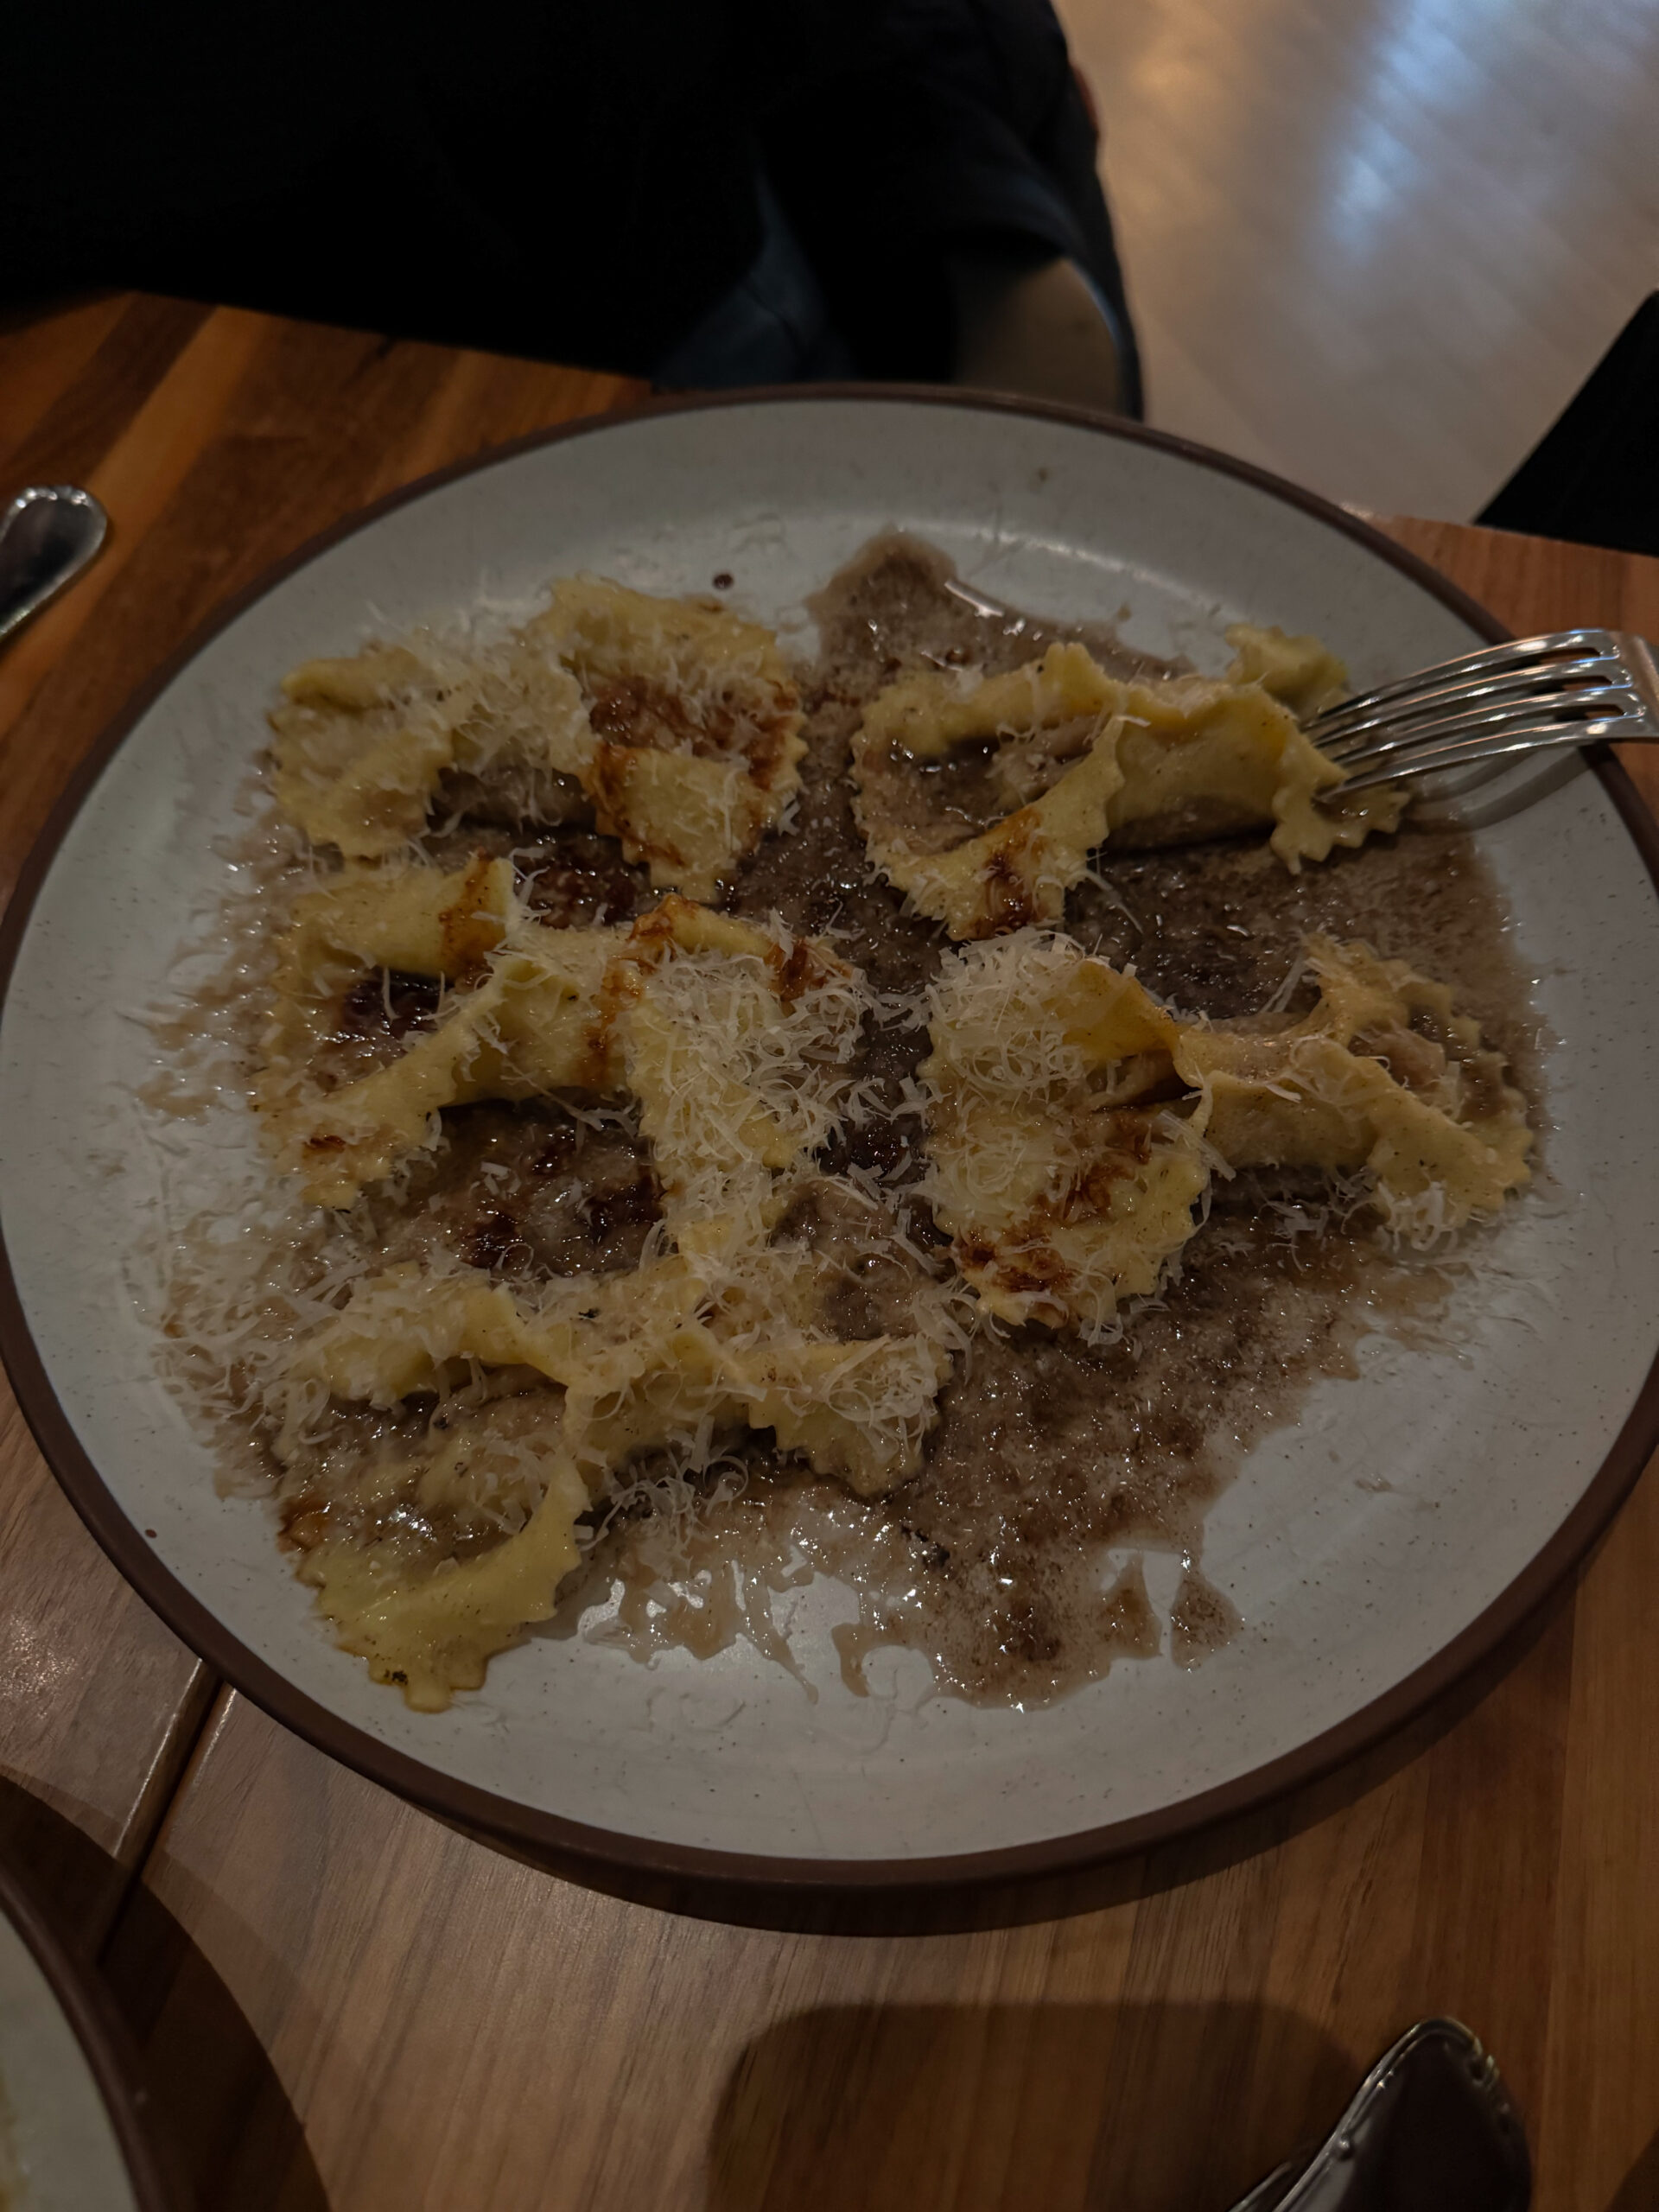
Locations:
(344, 2002)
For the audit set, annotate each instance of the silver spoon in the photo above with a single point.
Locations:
(1429, 2129)
(47, 534)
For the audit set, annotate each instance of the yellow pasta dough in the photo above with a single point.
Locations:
(605, 1010)
(1075, 1124)
(362, 745)
(696, 724)
(422, 921)
(674, 727)
(451, 1424)
(733, 1040)
(436, 1633)
(1082, 757)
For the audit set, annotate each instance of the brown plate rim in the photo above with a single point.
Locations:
(105, 2044)
(575, 1844)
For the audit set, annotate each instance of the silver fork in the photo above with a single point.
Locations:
(1566, 689)
(1572, 688)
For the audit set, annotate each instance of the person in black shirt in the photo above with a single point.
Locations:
(709, 191)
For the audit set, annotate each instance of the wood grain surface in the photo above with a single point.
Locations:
(346, 2003)
(1373, 245)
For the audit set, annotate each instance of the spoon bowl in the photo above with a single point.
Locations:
(47, 534)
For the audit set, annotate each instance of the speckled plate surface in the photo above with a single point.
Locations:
(1504, 1452)
(71, 2137)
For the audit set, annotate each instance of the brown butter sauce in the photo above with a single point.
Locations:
(1012, 1560)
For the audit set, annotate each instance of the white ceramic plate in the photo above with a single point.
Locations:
(1504, 1456)
(70, 2137)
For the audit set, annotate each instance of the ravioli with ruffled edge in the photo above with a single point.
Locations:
(671, 726)
(1082, 757)
(732, 1038)
(1075, 1124)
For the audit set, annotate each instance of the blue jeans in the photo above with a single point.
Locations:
(772, 327)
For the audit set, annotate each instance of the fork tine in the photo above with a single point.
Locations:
(1572, 689)
(1514, 682)
(1467, 752)
(1518, 656)
(1339, 730)
(1597, 703)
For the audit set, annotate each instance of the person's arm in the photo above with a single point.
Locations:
(937, 160)
(1042, 331)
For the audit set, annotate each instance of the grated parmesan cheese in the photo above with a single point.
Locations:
(672, 727)
(448, 1433)
(1075, 1124)
(1081, 755)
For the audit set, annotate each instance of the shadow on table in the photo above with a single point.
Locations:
(1077, 2108)
(938, 1909)
(215, 2111)
(1639, 2191)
